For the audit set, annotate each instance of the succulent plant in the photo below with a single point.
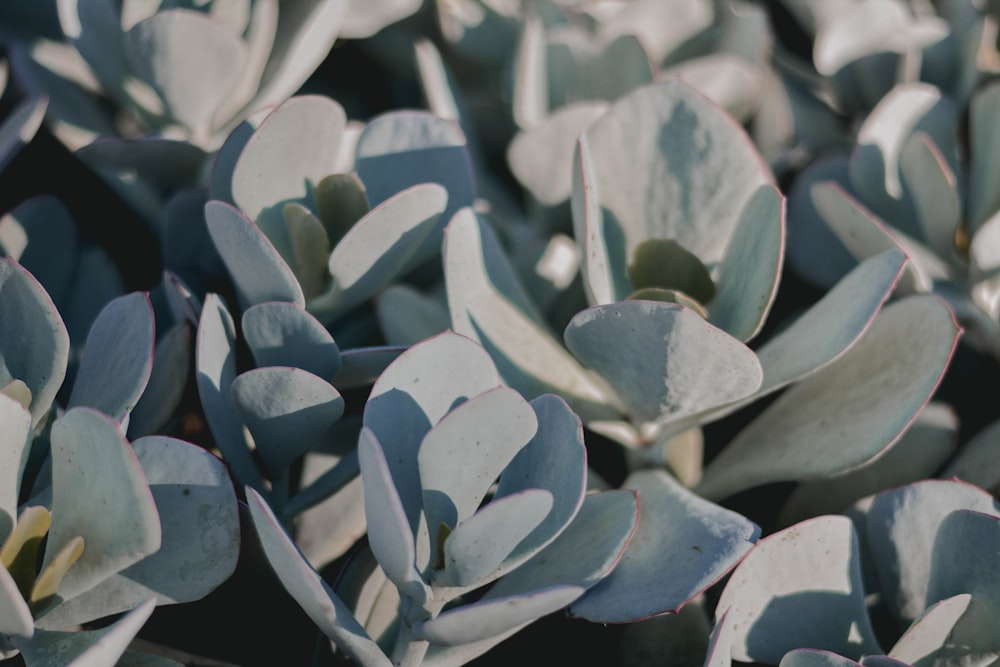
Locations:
(431, 449)
(698, 219)
(291, 413)
(78, 275)
(802, 597)
(301, 215)
(909, 184)
(144, 93)
(190, 71)
(859, 52)
(125, 526)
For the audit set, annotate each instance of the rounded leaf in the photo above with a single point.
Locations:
(259, 273)
(291, 151)
(799, 587)
(850, 411)
(34, 343)
(312, 593)
(287, 410)
(117, 358)
(671, 165)
(683, 542)
(200, 543)
(400, 149)
(99, 493)
(664, 361)
(189, 59)
(283, 334)
(903, 526)
(489, 304)
(380, 245)
(541, 157)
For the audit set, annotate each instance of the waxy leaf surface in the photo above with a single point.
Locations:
(117, 357)
(99, 493)
(868, 396)
(799, 587)
(282, 334)
(313, 594)
(683, 542)
(664, 361)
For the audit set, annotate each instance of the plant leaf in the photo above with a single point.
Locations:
(864, 235)
(327, 529)
(488, 304)
(465, 452)
(555, 460)
(312, 593)
(291, 151)
(917, 454)
(288, 411)
(670, 164)
(340, 202)
(406, 316)
(600, 236)
(704, 367)
(666, 264)
(977, 462)
(15, 436)
(19, 555)
(982, 199)
(720, 643)
(117, 358)
(541, 157)
(361, 366)
(99, 493)
(414, 393)
(962, 562)
(306, 32)
(875, 162)
(807, 657)
(215, 364)
(832, 325)
(932, 185)
(310, 249)
(259, 273)
(682, 541)
(46, 585)
(799, 587)
(748, 276)
(814, 251)
(85, 648)
(832, 422)
(15, 615)
(379, 247)
(200, 541)
(167, 380)
(283, 334)
(487, 618)
(400, 149)
(19, 128)
(477, 546)
(903, 525)
(45, 226)
(34, 343)
(921, 642)
(389, 534)
(190, 60)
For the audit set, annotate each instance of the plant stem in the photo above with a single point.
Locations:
(409, 650)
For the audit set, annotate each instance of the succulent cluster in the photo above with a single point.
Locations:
(539, 346)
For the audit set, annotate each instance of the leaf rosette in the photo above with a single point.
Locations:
(467, 486)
